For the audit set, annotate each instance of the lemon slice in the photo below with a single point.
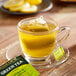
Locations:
(29, 8)
(34, 2)
(15, 8)
(13, 3)
(25, 8)
(19, 7)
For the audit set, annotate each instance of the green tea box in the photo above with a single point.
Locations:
(18, 66)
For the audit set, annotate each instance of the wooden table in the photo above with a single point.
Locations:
(65, 15)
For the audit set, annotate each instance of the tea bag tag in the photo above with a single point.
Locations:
(59, 53)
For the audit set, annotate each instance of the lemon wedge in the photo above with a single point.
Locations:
(34, 2)
(13, 3)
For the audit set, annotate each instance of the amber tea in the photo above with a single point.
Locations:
(37, 43)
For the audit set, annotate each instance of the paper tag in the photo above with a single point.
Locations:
(58, 53)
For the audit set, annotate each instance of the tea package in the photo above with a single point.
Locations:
(18, 67)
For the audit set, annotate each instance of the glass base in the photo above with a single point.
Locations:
(46, 62)
(38, 61)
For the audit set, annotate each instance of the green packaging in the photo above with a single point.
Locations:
(18, 67)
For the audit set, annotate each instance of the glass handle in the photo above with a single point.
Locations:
(63, 34)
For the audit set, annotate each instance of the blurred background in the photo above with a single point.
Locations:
(63, 11)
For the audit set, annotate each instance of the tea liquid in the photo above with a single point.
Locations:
(37, 45)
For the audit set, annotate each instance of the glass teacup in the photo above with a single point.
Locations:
(38, 42)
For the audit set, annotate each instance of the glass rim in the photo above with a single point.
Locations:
(37, 33)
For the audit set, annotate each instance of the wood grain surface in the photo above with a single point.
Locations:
(65, 15)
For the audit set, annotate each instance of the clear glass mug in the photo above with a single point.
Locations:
(38, 46)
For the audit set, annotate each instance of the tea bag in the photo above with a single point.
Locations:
(38, 25)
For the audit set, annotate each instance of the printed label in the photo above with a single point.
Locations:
(58, 53)
(18, 67)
